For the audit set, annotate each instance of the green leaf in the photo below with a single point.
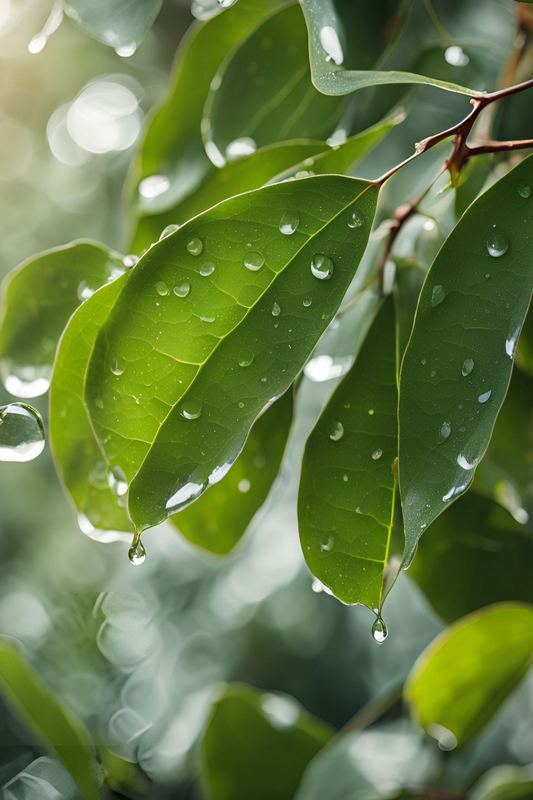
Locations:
(466, 673)
(524, 351)
(201, 367)
(218, 519)
(474, 555)
(263, 92)
(56, 727)
(458, 363)
(38, 297)
(504, 783)
(172, 161)
(258, 745)
(79, 460)
(347, 489)
(122, 24)
(347, 41)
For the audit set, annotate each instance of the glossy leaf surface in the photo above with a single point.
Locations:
(54, 726)
(122, 24)
(466, 673)
(347, 489)
(207, 342)
(264, 94)
(258, 745)
(458, 362)
(38, 297)
(218, 519)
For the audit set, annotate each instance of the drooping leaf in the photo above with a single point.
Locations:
(263, 92)
(257, 744)
(347, 42)
(458, 362)
(122, 24)
(218, 519)
(208, 342)
(172, 161)
(466, 673)
(38, 297)
(347, 489)
(54, 726)
(77, 454)
(474, 555)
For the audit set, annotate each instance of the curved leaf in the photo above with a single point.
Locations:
(524, 351)
(38, 297)
(458, 362)
(504, 782)
(201, 367)
(122, 24)
(257, 744)
(55, 727)
(466, 673)
(263, 92)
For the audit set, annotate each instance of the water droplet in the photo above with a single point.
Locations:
(182, 289)
(485, 396)
(117, 481)
(207, 269)
(21, 433)
(118, 365)
(244, 485)
(84, 291)
(322, 267)
(329, 39)
(130, 261)
(379, 631)
(456, 56)
(356, 219)
(238, 148)
(227, 3)
(524, 190)
(276, 310)
(468, 366)
(327, 544)
(126, 50)
(371, 411)
(98, 475)
(437, 296)
(137, 553)
(377, 454)
(307, 302)
(289, 223)
(336, 430)
(153, 186)
(253, 261)
(497, 242)
(195, 246)
(161, 288)
(345, 478)
(99, 403)
(168, 230)
(445, 430)
(245, 358)
(191, 408)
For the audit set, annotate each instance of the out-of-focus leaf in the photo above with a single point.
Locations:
(524, 351)
(172, 161)
(347, 41)
(55, 727)
(471, 182)
(122, 24)
(458, 362)
(347, 489)
(205, 344)
(124, 776)
(466, 673)
(263, 92)
(38, 297)
(220, 517)
(77, 454)
(504, 783)
(258, 745)
(474, 555)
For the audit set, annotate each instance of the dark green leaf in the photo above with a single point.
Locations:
(524, 352)
(466, 673)
(38, 297)
(200, 368)
(471, 182)
(257, 745)
(458, 362)
(55, 727)
(263, 92)
(220, 517)
(122, 24)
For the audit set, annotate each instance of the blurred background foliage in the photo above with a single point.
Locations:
(139, 655)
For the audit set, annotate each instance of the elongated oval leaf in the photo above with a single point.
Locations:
(458, 362)
(466, 673)
(38, 297)
(347, 489)
(207, 343)
(55, 727)
(263, 92)
(257, 744)
(122, 24)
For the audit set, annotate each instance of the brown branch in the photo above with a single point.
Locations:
(499, 147)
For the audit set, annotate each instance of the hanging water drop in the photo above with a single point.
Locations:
(444, 432)
(524, 190)
(468, 366)
(437, 296)
(497, 242)
(195, 246)
(336, 430)
(207, 269)
(226, 3)
(356, 219)
(118, 365)
(137, 553)
(253, 261)
(21, 433)
(322, 267)
(246, 358)
(182, 289)
(84, 291)
(379, 631)
(168, 230)
(130, 261)
(289, 223)
(161, 288)
(191, 408)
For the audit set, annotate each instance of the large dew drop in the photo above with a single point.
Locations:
(161, 288)
(468, 366)
(356, 219)
(168, 230)
(437, 296)
(253, 261)
(336, 430)
(118, 365)
(524, 190)
(21, 433)
(207, 269)
(289, 223)
(379, 631)
(497, 242)
(191, 408)
(182, 289)
(246, 358)
(322, 267)
(195, 246)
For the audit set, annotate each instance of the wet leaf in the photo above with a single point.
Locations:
(218, 519)
(38, 297)
(245, 726)
(263, 92)
(458, 362)
(214, 323)
(466, 673)
(122, 24)
(55, 727)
